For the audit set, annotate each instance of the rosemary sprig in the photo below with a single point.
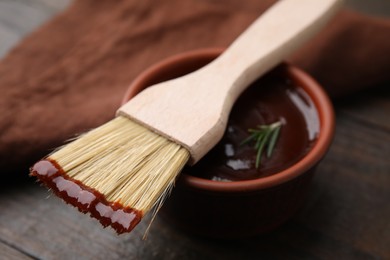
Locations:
(264, 136)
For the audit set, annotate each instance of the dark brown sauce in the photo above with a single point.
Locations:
(86, 199)
(269, 99)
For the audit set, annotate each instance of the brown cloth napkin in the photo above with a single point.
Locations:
(70, 75)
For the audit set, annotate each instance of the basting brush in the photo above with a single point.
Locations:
(121, 170)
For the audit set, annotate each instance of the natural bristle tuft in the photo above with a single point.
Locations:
(117, 172)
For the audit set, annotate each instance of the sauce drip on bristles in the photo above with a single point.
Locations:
(117, 172)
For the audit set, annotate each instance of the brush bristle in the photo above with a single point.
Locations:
(131, 167)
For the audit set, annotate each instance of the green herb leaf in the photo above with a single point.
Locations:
(264, 136)
(272, 140)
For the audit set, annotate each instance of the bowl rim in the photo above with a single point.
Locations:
(311, 87)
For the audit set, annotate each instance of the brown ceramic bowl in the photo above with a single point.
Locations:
(241, 208)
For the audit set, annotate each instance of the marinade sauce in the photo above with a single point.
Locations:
(271, 98)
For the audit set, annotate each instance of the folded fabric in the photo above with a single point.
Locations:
(70, 75)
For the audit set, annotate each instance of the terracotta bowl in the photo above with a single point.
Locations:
(241, 208)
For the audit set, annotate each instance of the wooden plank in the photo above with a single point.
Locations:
(22, 17)
(8, 252)
(370, 107)
(8, 39)
(349, 199)
(57, 239)
(56, 5)
(56, 229)
(375, 7)
(17, 18)
(47, 228)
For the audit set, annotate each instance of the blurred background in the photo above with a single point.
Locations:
(347, 215)
(19, 17)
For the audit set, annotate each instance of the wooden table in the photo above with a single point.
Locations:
(347, 215)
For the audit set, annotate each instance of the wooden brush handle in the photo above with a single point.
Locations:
(193, 110)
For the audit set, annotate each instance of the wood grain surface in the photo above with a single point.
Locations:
(346, 216)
